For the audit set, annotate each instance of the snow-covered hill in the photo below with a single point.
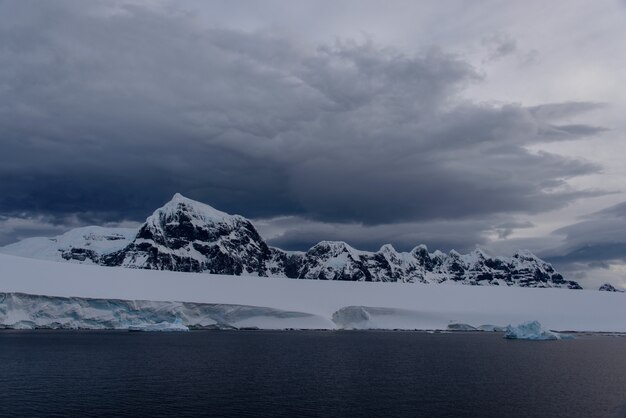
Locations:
(189, 236)
(80, 245)
(126, 297)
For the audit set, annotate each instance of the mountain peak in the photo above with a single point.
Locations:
(525, 255)
(178, 197)
(387, 248)
(193, 208)
(186, 235)
(336, 245)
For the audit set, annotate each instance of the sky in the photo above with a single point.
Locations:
(456, 124)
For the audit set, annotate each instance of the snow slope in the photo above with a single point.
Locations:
(80, 245)
(364, 304)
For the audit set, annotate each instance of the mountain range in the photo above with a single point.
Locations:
(189, 236)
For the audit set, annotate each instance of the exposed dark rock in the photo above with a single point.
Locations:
(607, 287)
(80, 254)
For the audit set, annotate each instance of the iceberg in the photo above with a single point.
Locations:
(532, 330)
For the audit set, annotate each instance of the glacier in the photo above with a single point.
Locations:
(24, 311)
(113, 297)
(163, 326)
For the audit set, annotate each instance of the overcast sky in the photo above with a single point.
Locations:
(457, 124)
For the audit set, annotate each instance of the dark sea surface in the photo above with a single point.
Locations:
(307, 373)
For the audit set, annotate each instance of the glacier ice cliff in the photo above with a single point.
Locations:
(23, 311)
(164, 326)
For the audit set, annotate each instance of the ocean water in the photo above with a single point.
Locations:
(303, 373)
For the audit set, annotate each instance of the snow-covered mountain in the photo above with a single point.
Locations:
(185, 235)
(82, 245)
(338, 261)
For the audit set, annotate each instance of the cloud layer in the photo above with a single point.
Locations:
(598, 240)
(108, 109)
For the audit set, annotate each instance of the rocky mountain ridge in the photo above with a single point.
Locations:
(185, 235)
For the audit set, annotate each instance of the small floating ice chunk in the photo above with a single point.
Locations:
(532, 330)
(177, 325)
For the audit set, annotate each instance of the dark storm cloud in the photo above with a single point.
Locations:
(549, 116)
(616, 211)
(294, 233)
(16, 228)
(505, 229)
(599, 239)
(557, 111)
(107, 110)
